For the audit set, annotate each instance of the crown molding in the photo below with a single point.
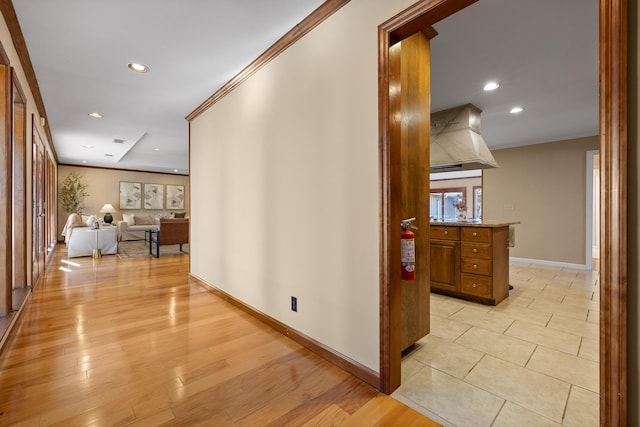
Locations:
(20, 45)
(316, 17)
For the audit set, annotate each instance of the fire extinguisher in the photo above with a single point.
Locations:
(408, 250)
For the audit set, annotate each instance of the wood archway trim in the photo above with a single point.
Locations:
(418, 17)
(613, 211)
(613, 148)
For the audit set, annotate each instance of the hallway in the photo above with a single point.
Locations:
(133, 342)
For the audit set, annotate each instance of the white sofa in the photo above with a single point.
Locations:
(82, 241)
(135, 225)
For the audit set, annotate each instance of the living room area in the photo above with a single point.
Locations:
(134, 202)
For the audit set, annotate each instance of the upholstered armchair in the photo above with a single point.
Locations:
(171, 231)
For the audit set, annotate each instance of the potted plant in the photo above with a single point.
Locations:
(72, 193)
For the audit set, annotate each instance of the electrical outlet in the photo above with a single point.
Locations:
(294, 304)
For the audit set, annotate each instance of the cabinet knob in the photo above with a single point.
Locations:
(475, 285)
(475, 234)
(446, 232)
(475, 250)
(475, 266)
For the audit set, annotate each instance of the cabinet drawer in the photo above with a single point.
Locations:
(476, 234)
(477, 285)
(477, 266)
(476, 250)
(445, 233)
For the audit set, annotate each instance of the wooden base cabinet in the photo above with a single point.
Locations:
(445, 264)
(470, 262)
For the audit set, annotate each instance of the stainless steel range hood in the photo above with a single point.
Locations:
(456, 143)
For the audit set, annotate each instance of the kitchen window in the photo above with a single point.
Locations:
(477, 202)
(442, 202)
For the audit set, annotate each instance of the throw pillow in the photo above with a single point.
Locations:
(85, 218)
(130, 219)
(89, 222)
(145, 220)
(180, 214)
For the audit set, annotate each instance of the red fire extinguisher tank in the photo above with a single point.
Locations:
(408, 250)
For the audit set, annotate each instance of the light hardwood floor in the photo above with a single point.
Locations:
(133, 342)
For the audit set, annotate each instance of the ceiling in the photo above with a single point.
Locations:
(547, 63)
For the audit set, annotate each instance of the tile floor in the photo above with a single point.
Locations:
(531, 360)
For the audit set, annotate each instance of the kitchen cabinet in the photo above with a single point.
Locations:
(445, 258)
(470, 261)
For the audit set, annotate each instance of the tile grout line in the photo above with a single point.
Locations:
(566, 404)
(498, 413)
(530, 356)
(580, 347)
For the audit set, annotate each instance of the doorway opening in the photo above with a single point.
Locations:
(592, 210)
(613, 171)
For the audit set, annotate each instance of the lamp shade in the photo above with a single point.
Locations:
(107, 208)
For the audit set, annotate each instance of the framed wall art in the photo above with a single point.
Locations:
(175, 197)
(154, 196)
(130, 195)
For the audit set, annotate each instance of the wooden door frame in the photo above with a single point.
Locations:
(613, 203)
(19, 173)
(613, 212)
(38, 238)
(6, 182)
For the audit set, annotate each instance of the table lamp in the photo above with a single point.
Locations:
(106, 210)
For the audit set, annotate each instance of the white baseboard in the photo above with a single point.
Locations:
(549, 263)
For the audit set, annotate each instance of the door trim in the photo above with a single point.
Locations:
(416, 18)
(613, 212)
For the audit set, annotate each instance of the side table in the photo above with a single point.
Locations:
(96, 253)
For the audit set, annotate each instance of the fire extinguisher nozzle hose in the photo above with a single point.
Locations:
(406, 224)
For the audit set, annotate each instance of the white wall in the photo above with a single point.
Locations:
(284, 185)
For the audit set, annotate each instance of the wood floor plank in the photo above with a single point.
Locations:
(134, 342)
(384, 411)
(331, 416)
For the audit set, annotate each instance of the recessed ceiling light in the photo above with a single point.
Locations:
(516, 110)
(175, 170)
(138, 68)
(156, 149)
(87, 146)
(84, 161)
(491, 86)
(96, 115)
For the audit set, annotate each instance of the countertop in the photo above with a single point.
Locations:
(473, 223)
